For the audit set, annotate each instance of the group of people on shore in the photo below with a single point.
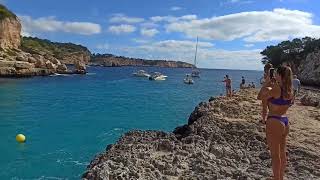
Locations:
(277, 94)
(228, 83)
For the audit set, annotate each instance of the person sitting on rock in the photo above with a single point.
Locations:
(278, 94)
(253, 85)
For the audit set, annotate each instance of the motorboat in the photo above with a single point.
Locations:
(157, 77)
(141, 73)
(188, 79)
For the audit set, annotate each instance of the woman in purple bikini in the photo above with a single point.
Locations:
(277, 94)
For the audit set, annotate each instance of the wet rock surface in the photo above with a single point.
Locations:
(222, 140)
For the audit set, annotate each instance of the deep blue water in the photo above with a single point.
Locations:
(69, 119)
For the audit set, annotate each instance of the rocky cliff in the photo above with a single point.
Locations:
(109, 60)
(10, 29)
(20, 59)
(309, 69)
(67, 53)
(302, 55)
(222, 140)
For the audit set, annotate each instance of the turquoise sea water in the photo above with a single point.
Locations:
(69, 119)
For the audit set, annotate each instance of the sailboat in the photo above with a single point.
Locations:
(195, 71)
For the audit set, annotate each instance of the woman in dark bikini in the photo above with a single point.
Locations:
(277, 94)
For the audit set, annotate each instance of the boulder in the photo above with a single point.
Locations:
(80, 67)
(32, 60)
(21, 58)
(7, 63)
(23, 65)
(62, 68)
(310, 99)
(55, 61)
(43, 72)
(50, 65)
(7, 71)
(25, 72)
(40, 63)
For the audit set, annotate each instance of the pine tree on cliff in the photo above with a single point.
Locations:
(290, 51)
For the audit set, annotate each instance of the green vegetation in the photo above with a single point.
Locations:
(4, 12)
(43, 46)
(290, 51)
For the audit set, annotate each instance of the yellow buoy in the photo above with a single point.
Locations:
(20, 138)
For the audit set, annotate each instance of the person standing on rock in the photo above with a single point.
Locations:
(228, 83)
(296, 87)
(243, 82)
(278, 94)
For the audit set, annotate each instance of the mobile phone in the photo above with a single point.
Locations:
(271, 73)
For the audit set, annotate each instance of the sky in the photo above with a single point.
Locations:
(231, 33)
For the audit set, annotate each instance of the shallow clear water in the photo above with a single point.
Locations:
(69, 119)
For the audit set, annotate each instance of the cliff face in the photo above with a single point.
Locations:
(10, 29)
(115, 61)
(309, 69)
(15, 62)
(67, 53)
(72, 58)
(222, 140)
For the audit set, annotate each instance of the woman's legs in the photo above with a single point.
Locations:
(275, 130)
(283, 150)
(227, 94)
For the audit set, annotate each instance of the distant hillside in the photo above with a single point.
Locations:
(302, 55)
(110, 60)
(67, 52)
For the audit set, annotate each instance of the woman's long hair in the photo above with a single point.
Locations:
(286, 77)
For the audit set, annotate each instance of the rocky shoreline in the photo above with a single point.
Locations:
(16, 62)
(222, 140)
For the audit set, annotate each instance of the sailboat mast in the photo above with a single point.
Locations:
(195, 55)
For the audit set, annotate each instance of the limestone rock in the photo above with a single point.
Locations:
(80, 67)
(309, 69)
(7, 71)
(23, 65)
(310, 99)
(4, 64)
(40, 63)
(50, 65)
(32, 60)
(223, 140)
(55, 61)
(10, 29)
(62, 68)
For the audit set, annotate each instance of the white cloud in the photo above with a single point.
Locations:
(122, 29)
(148, 32)
(173, 18)
(208, 56)
(50, 24)
(149, 25)
(248, 45)
(254, 26)
(241, 1)
(103, 46)
(140, 41)
(175, 8)
(121, 18)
